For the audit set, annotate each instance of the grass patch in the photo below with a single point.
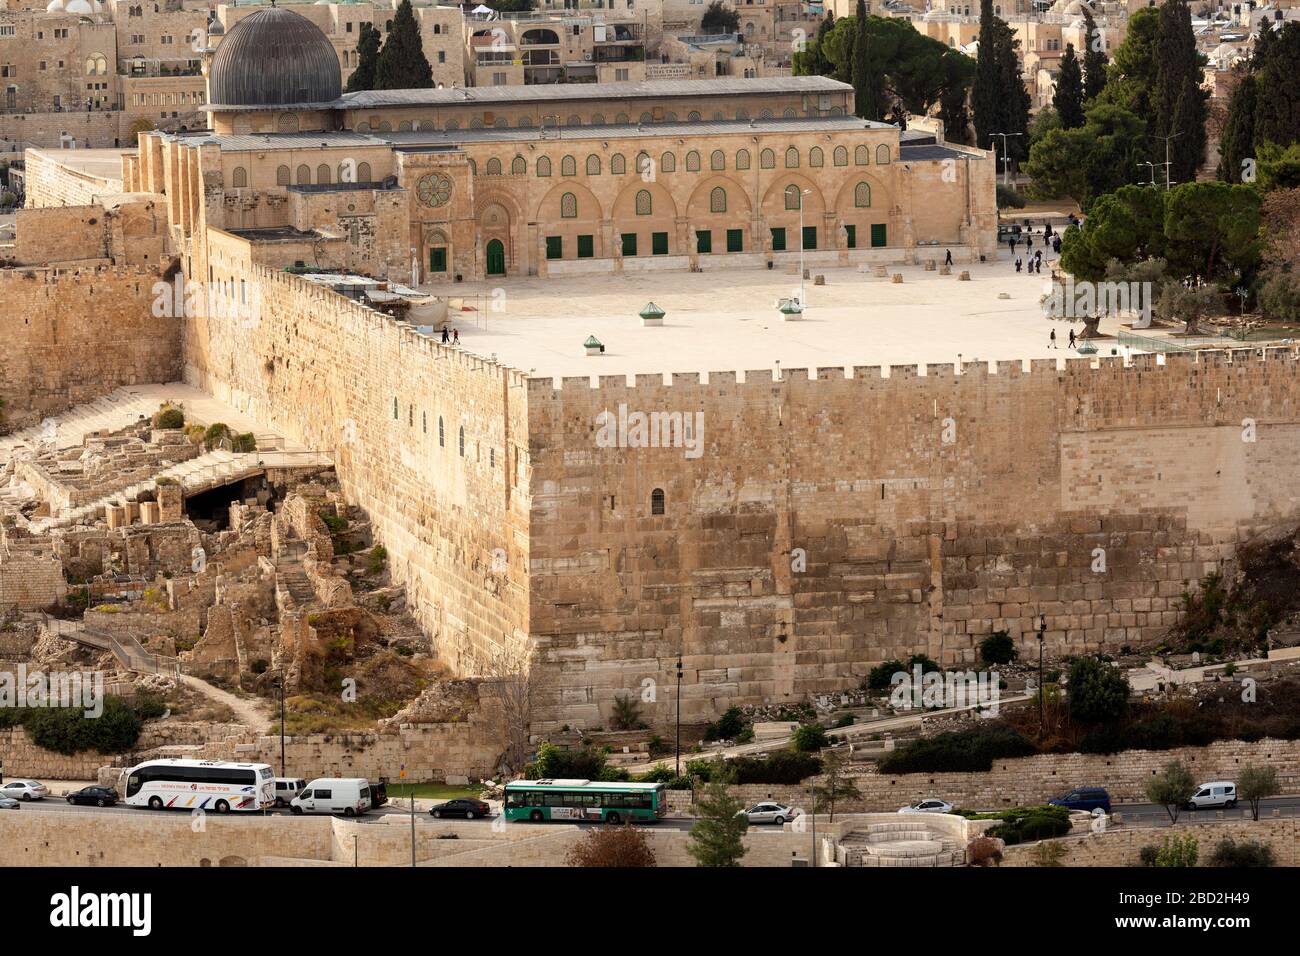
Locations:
(432, 791)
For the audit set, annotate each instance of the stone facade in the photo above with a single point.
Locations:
(1122, 847)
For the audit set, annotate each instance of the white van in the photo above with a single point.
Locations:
(346, 795)
(1220, 793)
(286, 788)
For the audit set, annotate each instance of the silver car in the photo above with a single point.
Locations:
(24, 790)
(769, 812)
(930, 805)
(9, 803)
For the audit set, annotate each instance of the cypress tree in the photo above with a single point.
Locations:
(363, 77)
(1177, 101)
(1094, 59)
(865, 92)
(1068, 98)
(985, 93)
(402, 64)
(1277, 118)
(824, 65)
(1187, 151)
(1237, 143)
(1013, 97)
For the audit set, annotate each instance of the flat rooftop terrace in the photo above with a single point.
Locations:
(726, 320)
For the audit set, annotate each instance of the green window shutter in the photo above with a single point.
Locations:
(851, 237)
(703, 241)
(659, 243)
(778, 239)
(810, 237)
(735, 240)
(438, 259)
(629, 244)
(877, 234)
(555, 247)
(586, 247)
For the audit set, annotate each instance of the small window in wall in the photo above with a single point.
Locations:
(462, 441)
(492, 457)
(861, 156)
(239, 178)
(718, 200)
(793, 199)
(735, 240)
(322, 173)
(778, 239)
(668, 162)
(543, 166)
(767, 159)
(586, 247)
(657, 501)
(644, 203)
(568, 206)
(441, 438)
(882, 154)
(742, 159)
(568, 166)
(493, 167)
(518, 166)
(841, 156)
(363, 172)
(792, 158)
(850, 236)
(692, 162)
(282, 176)
(304, 175)
(424, 423)
(717, 160)
(815, 157)
(555, 247)
(394, 408)
(862, 196)
(617, 164)
(659, 243)
(593, 165)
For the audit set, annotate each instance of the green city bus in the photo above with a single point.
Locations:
(590, 800)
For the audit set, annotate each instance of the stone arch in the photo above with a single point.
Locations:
(663, 207)
(304, 175)
(589, 209)
(776, 214)
(287, 123)
(738, 201)
(233, 861)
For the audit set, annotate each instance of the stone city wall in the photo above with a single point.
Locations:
(824, 523)
(73, 336)
(1123, 847)
(51, 182)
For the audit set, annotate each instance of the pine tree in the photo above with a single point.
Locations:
(363, 77)
(1277, 118)
(1068, 98)
(1237, 142)
(1014, 104)
(402, 64)
(719, 823)
(1094, 59)
(1177, 100)
(823, 62)
(865, 92)
(985, 93)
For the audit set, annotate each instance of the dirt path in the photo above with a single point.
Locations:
(246, 711)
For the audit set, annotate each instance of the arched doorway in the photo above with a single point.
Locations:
(496, 258)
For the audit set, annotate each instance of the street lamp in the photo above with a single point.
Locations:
(1153, 171)
(1006, 160)
(279, 683)
(806, 192)
(678, 769)
(1042, 635)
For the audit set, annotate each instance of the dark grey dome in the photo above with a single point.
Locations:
(273, 58)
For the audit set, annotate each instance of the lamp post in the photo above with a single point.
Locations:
(678, 768)
(1153, 171)
(805, 192)
(1006, 159)
(280, 685)
(1042, 636)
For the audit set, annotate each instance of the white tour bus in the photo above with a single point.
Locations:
(210, 785)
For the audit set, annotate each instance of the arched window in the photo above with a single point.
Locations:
(815, 157)
(644, 204)
(304, 175)
(742, 114)
(882, 154)
(620, 119)
(543, 166)
(767, 159)
(282, 176)
(475, 123)
(790, 112)
(670, 117)
(742, 159)
(862, 195)
(363, 172)
(239, 178)
(718, 200)
(861, 156)
(657, 501)
(597, 119)
(793, 198)
(394, 408)
(441, 438)
(593, 165)
(840, 156)
(322, 173)
(692, 117)
(568, 206)
(647, 118)
(573, 120)
(765, 114)
(518, 166)
(617, 165)
(717, 159)
(668, 162)
(692, 162)
(568, 166)
(462, 441)
(452, 124)
(494, 167)
(792, 158)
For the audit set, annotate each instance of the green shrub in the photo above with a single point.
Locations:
(336, 523)
(561, 762)
(378, 558)
(148, 706)
(881, 675)
(784, 766)
(727, 727)
(244, 443)
(67, 730)
(1009, 198)
(1098, 693)
(809, 738)
(1027, 824)
(1178, 851)
(998, 648)
(216, 433)
(169, 418)
(845, 720)
(971, 751)
(1247, 853)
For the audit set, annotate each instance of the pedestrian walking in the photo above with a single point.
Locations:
(446, 336)
(1053, 338)
(1018, 263)
(1072, 338)
(455, 336)
(947, 259)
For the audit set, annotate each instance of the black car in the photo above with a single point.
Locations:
(99, 796)
(465, 807)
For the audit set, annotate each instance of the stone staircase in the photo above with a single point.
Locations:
(111, 413)
(127, 650)
(905, 843)
(290, 577)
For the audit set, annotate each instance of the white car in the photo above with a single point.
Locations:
(777, 813)
(1219, 793)
(24, 790)
(931, 805)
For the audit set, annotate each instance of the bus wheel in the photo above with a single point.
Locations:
(613, 818)
(222, 807)
(535, 816)
(155, 803)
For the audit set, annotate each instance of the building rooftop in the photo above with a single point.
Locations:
(563, 93)
(726, 319)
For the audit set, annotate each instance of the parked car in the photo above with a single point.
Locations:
(769, 812)
(286, 788)
(1220, 793)
(466, 807)
(346, 795)
(378, 794)
(930, 805)
(1084, 798)
(99, 796)
(9, 803)
(25, 790)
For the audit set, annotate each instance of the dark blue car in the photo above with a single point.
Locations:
(1084, 798)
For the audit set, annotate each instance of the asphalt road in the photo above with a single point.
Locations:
(1152, 814)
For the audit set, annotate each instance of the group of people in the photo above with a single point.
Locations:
(450, 336)
(1052, 339)
(1035, 264)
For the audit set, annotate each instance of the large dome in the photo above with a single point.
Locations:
(273, 58)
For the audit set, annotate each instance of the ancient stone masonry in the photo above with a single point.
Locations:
(31, 575)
